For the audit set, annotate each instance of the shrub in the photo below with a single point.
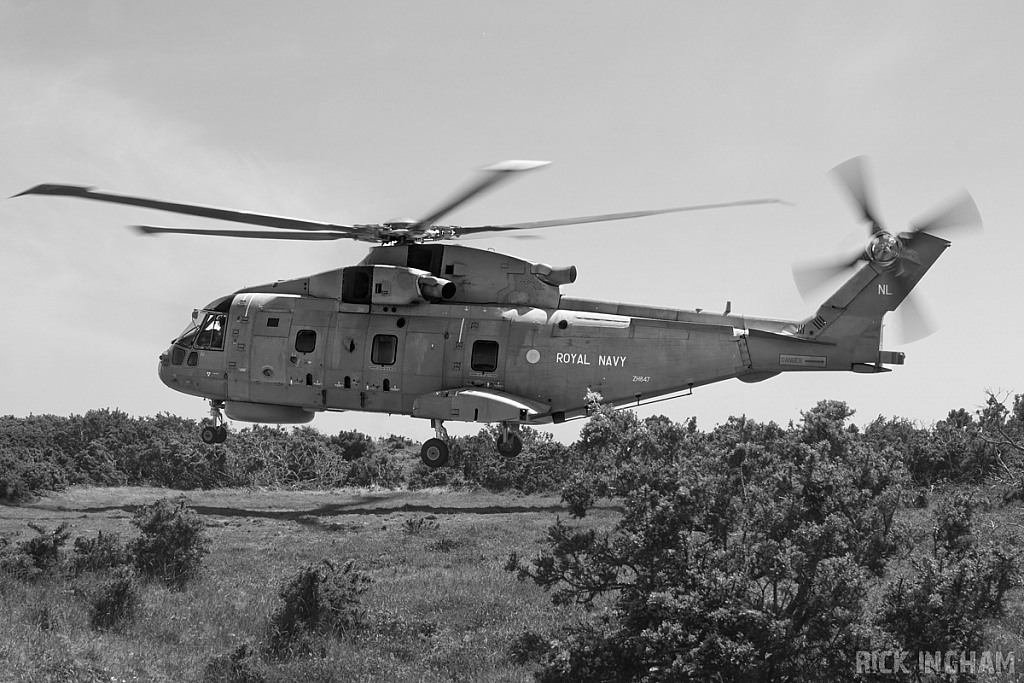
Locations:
(418, 525)
(377, 469)
(352, 445)
(103, 552)
(172, 544)
(116, 601)
(27, 472)
(37, 557)
(748, 553)
(321, 599)
(943, 604)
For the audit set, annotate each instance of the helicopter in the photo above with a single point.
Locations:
(445, 332)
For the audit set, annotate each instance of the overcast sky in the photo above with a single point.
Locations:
(358, 112)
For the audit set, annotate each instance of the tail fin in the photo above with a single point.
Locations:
(853, 315)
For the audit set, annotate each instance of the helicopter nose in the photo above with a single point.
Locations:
(164, 369)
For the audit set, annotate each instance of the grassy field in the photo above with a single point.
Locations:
(441, 608)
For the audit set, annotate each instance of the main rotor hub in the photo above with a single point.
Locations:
(884, 248)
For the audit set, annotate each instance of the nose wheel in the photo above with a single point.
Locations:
(434, 452)
(217, 432)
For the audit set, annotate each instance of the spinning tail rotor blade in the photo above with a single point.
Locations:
(913, 321)
(960, 215)
(852, 175)
(810, 276)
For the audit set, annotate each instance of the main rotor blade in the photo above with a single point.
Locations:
(251, 234)
(960, 215)
(852, 175)
(810, 276)
(264, 220)
(608, 217)
(491, 176)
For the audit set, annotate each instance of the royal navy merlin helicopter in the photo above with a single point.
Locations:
(446, 332)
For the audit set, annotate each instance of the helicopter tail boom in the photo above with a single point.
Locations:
(845, 333)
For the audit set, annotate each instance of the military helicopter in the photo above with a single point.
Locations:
(446, 332)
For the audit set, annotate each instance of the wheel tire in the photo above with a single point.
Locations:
(434, 453)
(222, 434)
(510, 447)
(209, 435)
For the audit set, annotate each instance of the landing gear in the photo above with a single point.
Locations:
(434, 452)
(509, 443)
(217, 432)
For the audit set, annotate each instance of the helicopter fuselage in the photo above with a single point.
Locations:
(381, 337)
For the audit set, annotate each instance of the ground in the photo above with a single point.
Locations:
(440, 605)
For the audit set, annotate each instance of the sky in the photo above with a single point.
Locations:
(357, 112)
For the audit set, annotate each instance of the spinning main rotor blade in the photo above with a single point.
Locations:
(608, 217)
(256, 234)
(492, 175)
(264, 220)
(852, 175)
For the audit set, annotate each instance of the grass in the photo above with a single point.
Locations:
(441, 607)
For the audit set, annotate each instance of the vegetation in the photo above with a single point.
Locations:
(323, 599)
(750, 552)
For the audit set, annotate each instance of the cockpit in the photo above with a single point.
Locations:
(204, 333)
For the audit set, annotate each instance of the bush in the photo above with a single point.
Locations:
(944, 603)
(116, 601)
(38, 557)
(378, 469)
(352, 445)
(748, 553)
(26, 472)
(103, 552)
(172, 544)
(322, 599)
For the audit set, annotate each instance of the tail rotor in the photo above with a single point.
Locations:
(886, 251)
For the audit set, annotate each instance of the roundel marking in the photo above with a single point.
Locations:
(532, 356)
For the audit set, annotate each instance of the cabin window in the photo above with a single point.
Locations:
(305, 341)
(177, 355)
(385, 349)
(193, 359)
(211, 334)
(485, 356)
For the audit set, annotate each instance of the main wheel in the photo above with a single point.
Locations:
(209, 435)
(434, 453)
(511, 445)
(222, 434)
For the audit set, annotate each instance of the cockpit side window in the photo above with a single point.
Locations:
(211, 334)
